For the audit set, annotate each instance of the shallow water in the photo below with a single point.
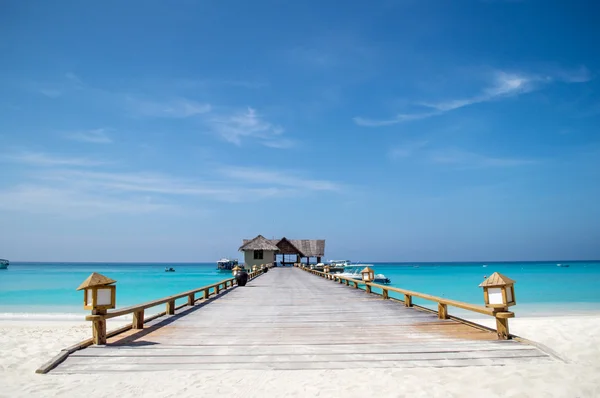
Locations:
(27, 289)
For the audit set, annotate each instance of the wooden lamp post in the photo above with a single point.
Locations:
(235, 270)
(326, 269)
(99, 295)
(368, 275)
(499, 294)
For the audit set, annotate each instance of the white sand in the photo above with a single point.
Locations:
(25, 345)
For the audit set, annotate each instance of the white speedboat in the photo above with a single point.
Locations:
(226, 264)
(354, 272)
(4, 263)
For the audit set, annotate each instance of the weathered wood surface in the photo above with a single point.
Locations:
(288, 319)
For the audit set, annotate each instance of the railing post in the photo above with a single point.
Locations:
(171, 307)
(206, 293)
(407, 300)
(99, 328)
(355, 285)
(385, 294)
(347, 282)
(217, 289)
(502, 324)
(442, 311)
(191, 299)
(367, 288)
(138, 320)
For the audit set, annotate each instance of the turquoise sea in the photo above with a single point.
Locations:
(48, 289)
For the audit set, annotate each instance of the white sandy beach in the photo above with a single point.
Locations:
(25, 345)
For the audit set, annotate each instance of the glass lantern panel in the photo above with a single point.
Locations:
(88, 296)
(495, 295)
(104, 297)
(509, 296)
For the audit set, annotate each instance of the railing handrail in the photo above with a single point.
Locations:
(440, 300)
(149, 304)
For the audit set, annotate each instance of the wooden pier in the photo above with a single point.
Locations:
(291, 319)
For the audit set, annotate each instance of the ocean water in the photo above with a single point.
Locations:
(48, 289)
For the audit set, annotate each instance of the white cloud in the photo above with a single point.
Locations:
(248, 124)
(459, 157)
(97, 136)
(69, 202)
(176, 108)
(42, 159)
(50, 92)
(282, 178)
(502, 85)
(407, 149)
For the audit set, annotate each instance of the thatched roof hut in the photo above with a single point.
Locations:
(300, 247)
(258, 243)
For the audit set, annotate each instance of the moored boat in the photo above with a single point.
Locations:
(226, 264)
(354, 272)
(4, 263)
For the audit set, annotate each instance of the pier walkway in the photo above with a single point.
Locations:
(290, 319)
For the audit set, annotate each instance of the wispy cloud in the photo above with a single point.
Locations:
(43, 159)
(74, 202)
(462, 158)
(175, 108)
(503, 85)
(61, 185)
(407, 149)
(248, 124)
(278, 178)
(97, 136)
(50, 92)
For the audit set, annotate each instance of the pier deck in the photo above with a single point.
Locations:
(290, 319)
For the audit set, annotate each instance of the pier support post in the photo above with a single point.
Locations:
(191, 299)
(442, 311)
(407, 300)
(138, 320)
(171, 307)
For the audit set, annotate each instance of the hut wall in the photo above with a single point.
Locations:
(249, 261)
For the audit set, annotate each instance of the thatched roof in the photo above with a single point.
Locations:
(497, 279)
(303, 247)
(258, 243)
(95, 279)
(310, 247)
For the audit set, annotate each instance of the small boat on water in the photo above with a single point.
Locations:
(4, 263)
(563, 265)
(354, 272)
(169, 269)
(226, 264)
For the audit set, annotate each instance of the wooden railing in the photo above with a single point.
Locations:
(501, 315)
(99, 318)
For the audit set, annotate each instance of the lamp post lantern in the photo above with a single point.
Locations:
(368, 275)
(498, 291)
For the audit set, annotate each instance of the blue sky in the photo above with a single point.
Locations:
(396, 129)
